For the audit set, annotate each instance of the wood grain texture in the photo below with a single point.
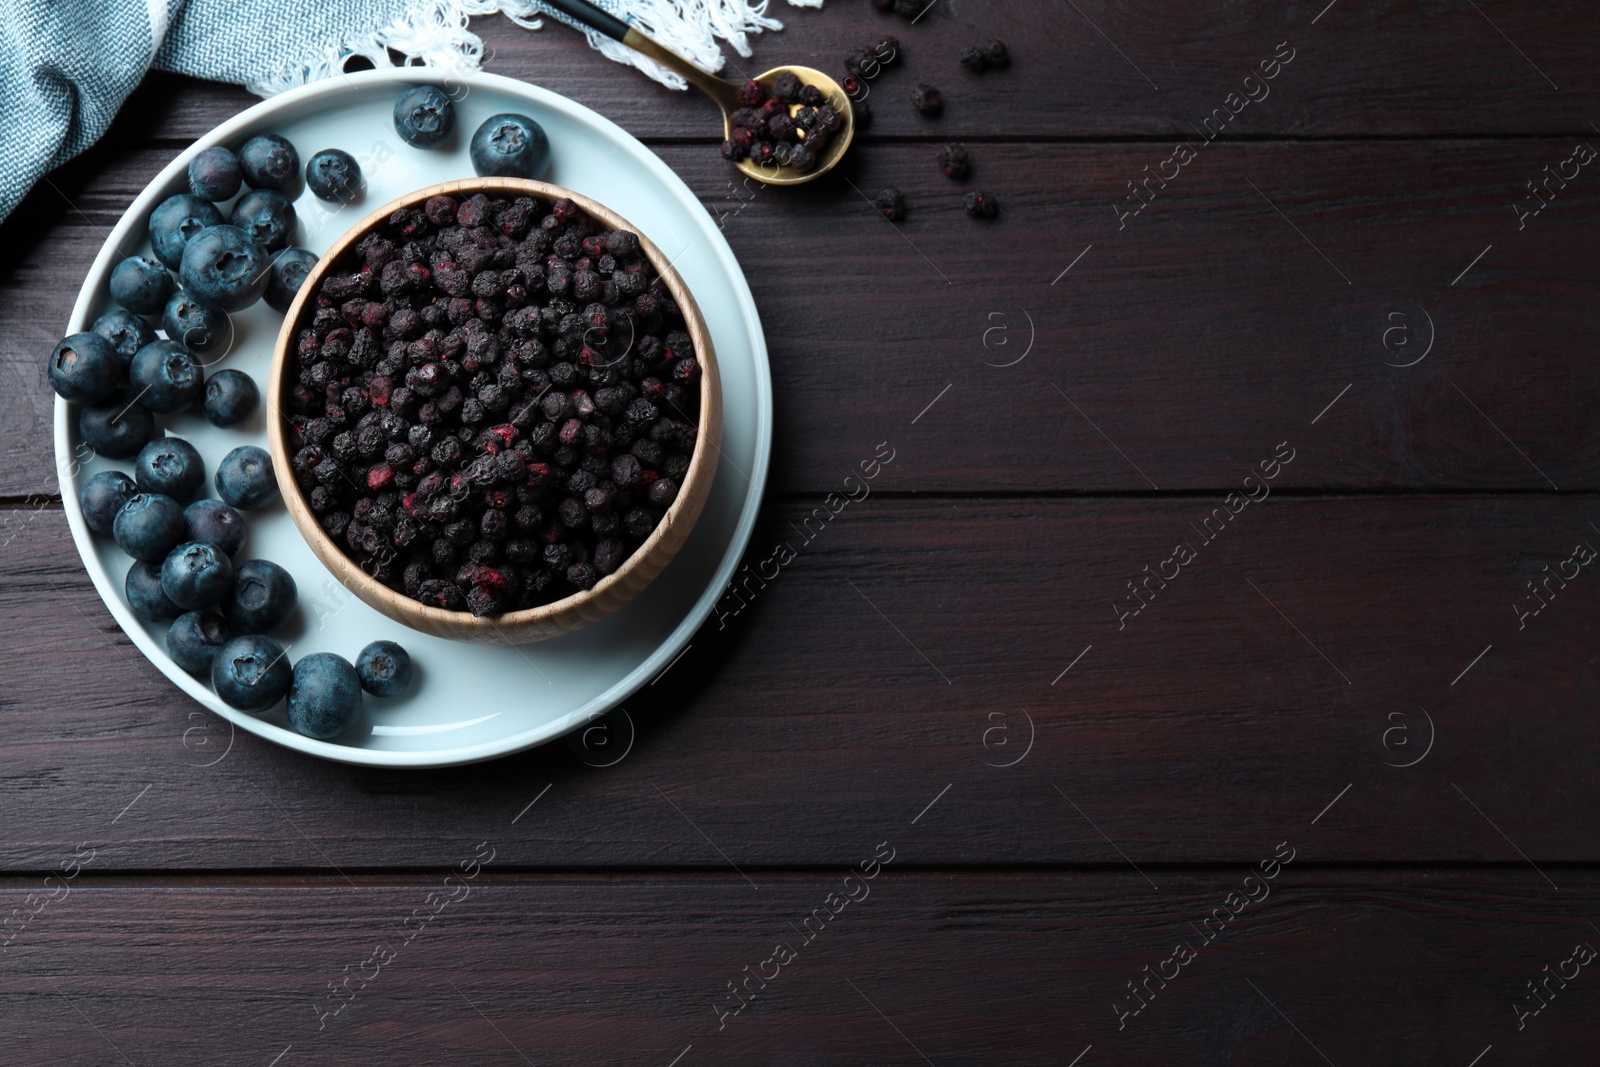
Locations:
(1405, 966)
(906, 649)
(1073, 779)
(1175, 350)
(1098, 69)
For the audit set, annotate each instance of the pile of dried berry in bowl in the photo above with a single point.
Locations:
(500, 410)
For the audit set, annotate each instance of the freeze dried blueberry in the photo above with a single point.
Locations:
(926, 99)
(891, 204)
(786, 87)
(954, 162)
(980, 205)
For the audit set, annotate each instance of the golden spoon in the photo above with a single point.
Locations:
(726, 93)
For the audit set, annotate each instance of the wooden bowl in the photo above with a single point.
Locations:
(561, 616)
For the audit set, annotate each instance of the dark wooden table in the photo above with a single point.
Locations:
(1319, 786)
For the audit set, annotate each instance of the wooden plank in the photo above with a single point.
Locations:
(894, 672)
(1172, 352)
(1396, 967)
(1094, 70)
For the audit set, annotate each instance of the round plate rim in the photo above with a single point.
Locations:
(671, 184)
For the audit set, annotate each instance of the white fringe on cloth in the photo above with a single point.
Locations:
(435, 33)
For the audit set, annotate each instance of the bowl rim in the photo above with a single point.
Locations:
(576, 609)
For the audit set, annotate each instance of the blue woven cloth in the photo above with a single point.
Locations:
(67, 66)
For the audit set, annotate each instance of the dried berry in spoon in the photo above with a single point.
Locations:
(783, 128)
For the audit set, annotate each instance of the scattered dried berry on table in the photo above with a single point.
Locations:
(891, 203)
(493, 403)
(887, 50)
(981, 57)
(926, 99)
(980, 205)
(861, 63)
(954, 162)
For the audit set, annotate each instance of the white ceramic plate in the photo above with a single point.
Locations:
(468, 702)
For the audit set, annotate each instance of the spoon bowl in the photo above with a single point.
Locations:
(834, 151)
(726, 93)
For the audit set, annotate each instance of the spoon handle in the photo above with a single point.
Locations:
(596, 18)
(592, 16)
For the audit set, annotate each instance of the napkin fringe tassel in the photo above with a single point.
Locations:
(435, 33)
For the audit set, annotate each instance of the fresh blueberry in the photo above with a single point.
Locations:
(245, 478)
(261, 599)
(84, 368)
(201, 329)
(212, 522)
(424, 116)
(510, 146)
(149, 526)
(175, 220)
(270, 162)
(143, 590)
(324, 696)
(126, 331)
(214, 174)
(267, 216)
(224, 267)
(384, 668)
(196, 575)
(231, 398)
(116, 429)
(102, 496)
(166, 377)
(193, 640)
(141, 284)
(289, 270)
(250, 673)
(333, 174)
(170, 466)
